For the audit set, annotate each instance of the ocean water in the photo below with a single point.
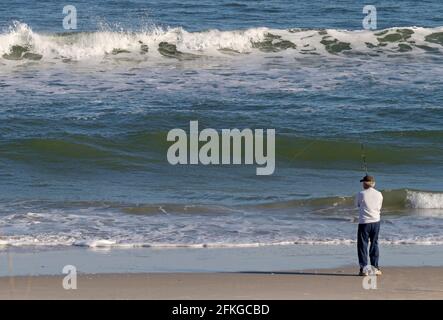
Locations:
(84, 117)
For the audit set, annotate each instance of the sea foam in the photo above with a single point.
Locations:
(181, 44)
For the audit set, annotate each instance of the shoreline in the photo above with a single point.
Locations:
(51, 261)
(337, 283)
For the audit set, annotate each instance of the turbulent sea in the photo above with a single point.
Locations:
(84, 117)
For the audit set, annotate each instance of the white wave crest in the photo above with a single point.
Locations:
(80, 46)
(84, 45)
(425, 200)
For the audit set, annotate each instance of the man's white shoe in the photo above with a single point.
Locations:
(373, 271)
(363, 273)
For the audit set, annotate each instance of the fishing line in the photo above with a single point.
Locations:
(304, 149)
(364, 164)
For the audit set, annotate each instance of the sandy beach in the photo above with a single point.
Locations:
(194, 150)
(340, 283)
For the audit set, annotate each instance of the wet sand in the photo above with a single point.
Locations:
(338, 283)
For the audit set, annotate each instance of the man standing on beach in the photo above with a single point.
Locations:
(369, 202)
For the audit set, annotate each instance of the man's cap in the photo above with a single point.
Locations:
(367, 179)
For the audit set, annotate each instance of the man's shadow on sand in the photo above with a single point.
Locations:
(302, 273)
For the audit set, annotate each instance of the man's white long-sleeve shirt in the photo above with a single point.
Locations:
(369, 202)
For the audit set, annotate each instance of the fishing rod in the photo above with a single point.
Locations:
(364, 164)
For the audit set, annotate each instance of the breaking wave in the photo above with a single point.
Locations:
(20, 42)
(393, 199)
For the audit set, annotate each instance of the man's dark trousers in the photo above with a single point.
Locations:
(368, 232)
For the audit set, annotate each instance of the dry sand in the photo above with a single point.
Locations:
(341, 283)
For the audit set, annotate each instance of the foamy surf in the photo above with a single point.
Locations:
(113, 244)
(22, 43)
(409, 218)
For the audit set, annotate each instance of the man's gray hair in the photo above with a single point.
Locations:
(370, 184)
